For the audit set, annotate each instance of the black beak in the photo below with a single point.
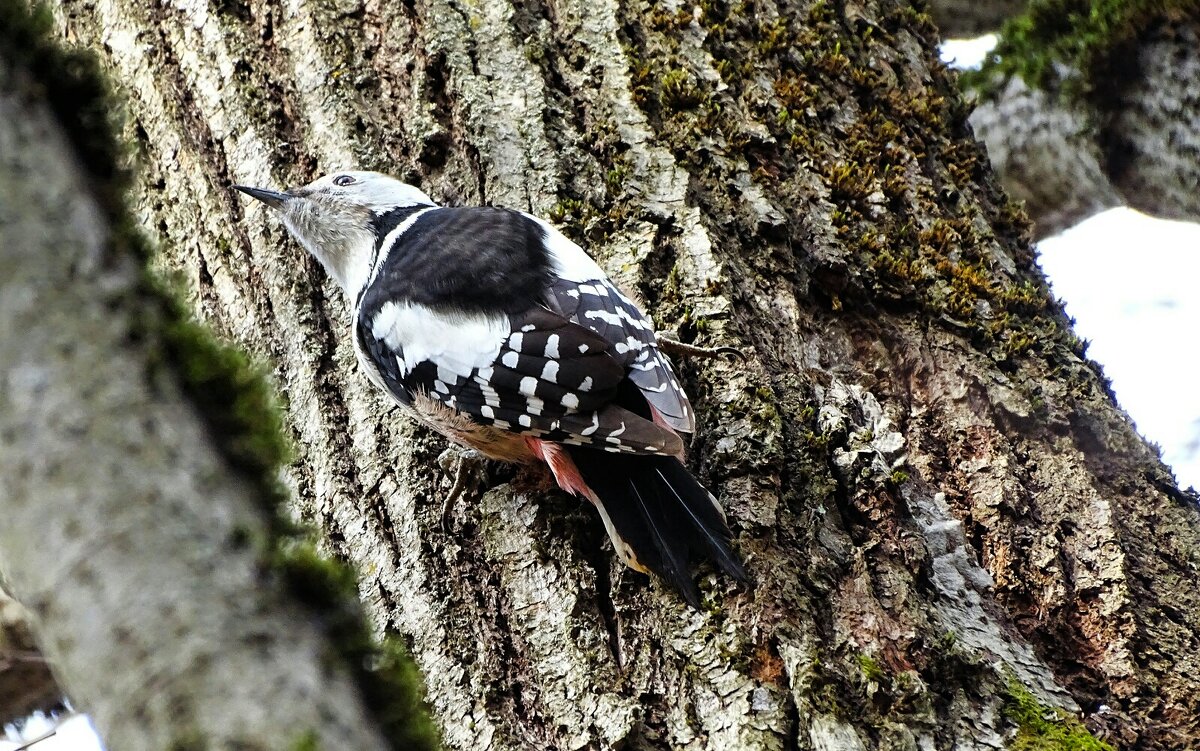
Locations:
(272, 198)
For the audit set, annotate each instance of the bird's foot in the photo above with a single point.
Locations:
(470, 474)
(678, 348)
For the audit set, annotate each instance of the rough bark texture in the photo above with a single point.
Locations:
(1047, 154)
(1134, 140)
(966, 19)
(936, 495)
(126, 534)
(26, 683)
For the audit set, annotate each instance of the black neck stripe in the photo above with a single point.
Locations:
(382, 224)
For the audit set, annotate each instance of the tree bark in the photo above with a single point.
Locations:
(26, 683)
(936, 495)
(966, 19)
(1135, 140)
(132, 542)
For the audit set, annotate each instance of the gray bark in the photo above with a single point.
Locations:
(122, 522)
(1135, 142)
(26, 684)
(933, 492)
(966, 19)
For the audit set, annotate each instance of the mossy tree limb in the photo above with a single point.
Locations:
(1089, 104)
(139, 470)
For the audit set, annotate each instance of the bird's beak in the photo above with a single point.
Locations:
(272, 198)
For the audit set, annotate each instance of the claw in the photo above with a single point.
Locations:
(673, 347)
(466, 478)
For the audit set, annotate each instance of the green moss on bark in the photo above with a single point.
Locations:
(1042, 728)
(1080, 48)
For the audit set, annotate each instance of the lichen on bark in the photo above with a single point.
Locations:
(1078, 48)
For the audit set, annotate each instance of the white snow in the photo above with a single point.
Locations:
(1130, 282)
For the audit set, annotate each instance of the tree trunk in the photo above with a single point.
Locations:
(1115, 126)
(136, 546)
(947, 517)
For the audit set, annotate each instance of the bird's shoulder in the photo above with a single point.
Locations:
(471, 259)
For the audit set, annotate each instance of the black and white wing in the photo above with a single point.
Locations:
(581, 292)
(539, 375)
(512, 362)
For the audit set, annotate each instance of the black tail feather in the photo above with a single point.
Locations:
(663, 514)
(707, 517)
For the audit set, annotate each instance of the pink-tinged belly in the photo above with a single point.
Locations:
(493, 443)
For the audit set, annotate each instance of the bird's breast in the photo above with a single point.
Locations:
(493, 443)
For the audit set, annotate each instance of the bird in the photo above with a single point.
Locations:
(493, 328)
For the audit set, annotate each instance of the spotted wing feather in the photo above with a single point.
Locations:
(598, 305)
(551, 379)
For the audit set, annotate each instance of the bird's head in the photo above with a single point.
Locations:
(337, 218)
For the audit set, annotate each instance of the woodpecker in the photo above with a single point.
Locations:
(494, 329)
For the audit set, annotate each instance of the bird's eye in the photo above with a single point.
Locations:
(343, 180)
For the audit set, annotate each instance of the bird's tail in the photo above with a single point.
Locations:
(658, 515)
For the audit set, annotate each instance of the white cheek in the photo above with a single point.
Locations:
(339, 242)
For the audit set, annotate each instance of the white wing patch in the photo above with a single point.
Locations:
(569, 261)
(457, 343)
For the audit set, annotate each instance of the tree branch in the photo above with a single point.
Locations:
(125, 532)
(964, 19)
(1124, 131)
(1151, 132)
